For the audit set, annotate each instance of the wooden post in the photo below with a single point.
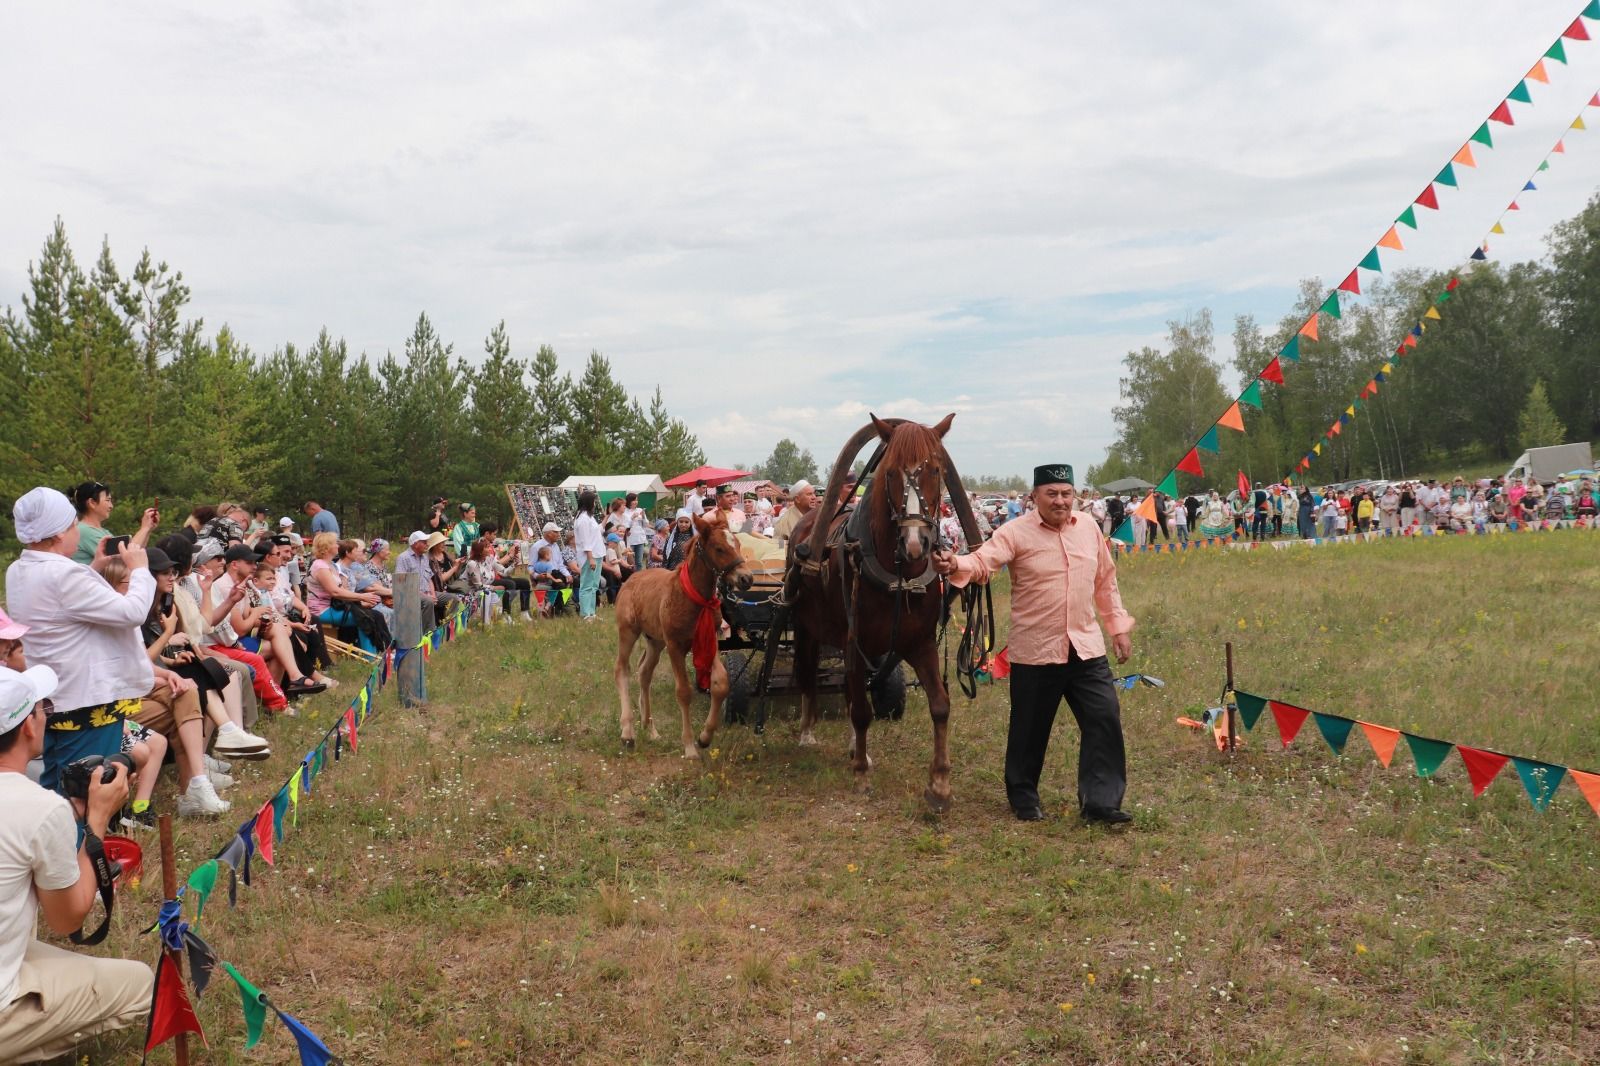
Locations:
(169, 890)
(1233, 735)
(408, 629)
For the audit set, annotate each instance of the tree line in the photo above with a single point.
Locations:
(114, 383)
(1510, 365)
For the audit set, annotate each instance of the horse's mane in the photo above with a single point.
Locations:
(910, 445)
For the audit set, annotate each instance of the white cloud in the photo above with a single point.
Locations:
(786, 215)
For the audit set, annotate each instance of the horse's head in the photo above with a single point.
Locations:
(909, 482)
(720, 548)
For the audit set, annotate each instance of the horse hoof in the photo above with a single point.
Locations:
(938, 803)
(864, 786)
(653, 734)
(690, 751)
(807, 740)
(627, 743)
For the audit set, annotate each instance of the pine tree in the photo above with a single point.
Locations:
(499, 415)
(601, 418)
(1538, 426)
(547, 426)
(425, 398)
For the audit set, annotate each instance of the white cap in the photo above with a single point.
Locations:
(19, 692)
(798, 487)
(285, 521)
(417, 537)
(43, 513)
(551, 527)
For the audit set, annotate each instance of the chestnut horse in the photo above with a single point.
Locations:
(655, 605)
(863, 581)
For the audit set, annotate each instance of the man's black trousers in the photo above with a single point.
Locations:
(1036, 694)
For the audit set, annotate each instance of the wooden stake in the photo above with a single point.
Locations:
(1233, 735)
(169, 890)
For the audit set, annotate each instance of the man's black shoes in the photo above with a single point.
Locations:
(1106, 815)
(1028, 814)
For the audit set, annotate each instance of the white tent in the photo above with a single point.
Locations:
(612, 486)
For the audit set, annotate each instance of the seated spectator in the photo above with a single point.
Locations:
(569, 553)
(550, 573)
(258, 627)
(219, 637)
(488, 567)
(449, 584)
(80, 628)
(257, 530)
(240, 705)
(658, 543)
(364, 574)
(93, 502)
(331, 602)
(52, 999)
(287, 612)
(616, 567)
(414, 560)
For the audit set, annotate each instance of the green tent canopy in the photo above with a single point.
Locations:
(616, 486)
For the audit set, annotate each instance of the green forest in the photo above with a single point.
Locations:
(119, 385)
(1513, 362)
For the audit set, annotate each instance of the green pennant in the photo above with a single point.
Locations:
(1545, 165)
(1447, 176)
(1520, 94)
(1209, 442)
(1169, 484)
(1540, 779)
(1483, 138)
(1124, 532)
(1408, 218)
(1557, 51)
(1358, 404)
(1250, 708)
(1372, 262)
(1590, 12)
(1251, 396)
(201, 882)
(1291, 351)
(1444, 297)
(1427, 753)
(1330, 306)
(254, 1003)
(1334, 729)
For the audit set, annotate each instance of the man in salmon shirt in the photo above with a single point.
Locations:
(1062, 576)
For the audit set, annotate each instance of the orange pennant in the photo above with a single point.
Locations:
(1233, 418)
(1538, 74)
(1391, 240)
(1464, 157)
(1147, 508)
(1589, 785)
(1382, 738)
(1310, 328)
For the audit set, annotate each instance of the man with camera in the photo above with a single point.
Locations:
(51, 999)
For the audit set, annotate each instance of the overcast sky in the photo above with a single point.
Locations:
(786, 214)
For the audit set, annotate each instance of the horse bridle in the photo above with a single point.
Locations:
(913, 509)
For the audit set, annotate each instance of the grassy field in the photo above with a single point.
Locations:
(492, 881)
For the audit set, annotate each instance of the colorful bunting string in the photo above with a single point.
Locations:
(1446, 177)
(1238, 542)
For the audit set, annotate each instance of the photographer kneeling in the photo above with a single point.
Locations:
(51, 999)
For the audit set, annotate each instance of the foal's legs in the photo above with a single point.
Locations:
(926, 663)
(647, 670)
(627, 636)
(675, 654)
(806, 655)
(719, 692)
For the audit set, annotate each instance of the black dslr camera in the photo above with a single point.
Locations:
(75, 776)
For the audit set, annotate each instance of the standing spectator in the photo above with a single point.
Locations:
(696, 503)
(51, 999)
(638, 531)
(1389, 510)
(1408, 506)
(802, 499)
(258, 528)
(322, 519)
(436, 522)
(1260, 504)
(1363, 509)
(1330, 516)
(678, 540)
(1180, 521)
(93, 503)
(591, 549)
(465, 531)
(80, 628)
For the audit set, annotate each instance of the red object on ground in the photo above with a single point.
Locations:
(128, 853)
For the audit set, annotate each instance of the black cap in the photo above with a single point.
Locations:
(159, 561)
(725, 488)
(282, 539)
(239, 554)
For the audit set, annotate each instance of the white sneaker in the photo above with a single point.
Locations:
(526, 617)
(219, 781)
(201, 799)
(238, 744)
(217, 766)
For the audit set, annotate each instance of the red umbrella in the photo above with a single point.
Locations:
(711, 475)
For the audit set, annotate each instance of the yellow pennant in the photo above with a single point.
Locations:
(1432, 312)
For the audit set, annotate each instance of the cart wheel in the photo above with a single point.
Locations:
(736, 708)
(889, 695)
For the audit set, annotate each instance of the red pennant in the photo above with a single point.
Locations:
(1576, 31)
(1353, 283)
(1451, 287)
(1190, 464)
(1594, 102)
(1289, 718)
(264, 832)
(1273, 372)
(1482, 766)
(1428, 199)
(1000, 665)
(350, 726)
(170, 1012)
(1336, 429)
(1244, 485)
(1561, 146)
(1410, 341)
(1503, 114)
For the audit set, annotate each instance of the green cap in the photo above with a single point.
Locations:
(1053, 474)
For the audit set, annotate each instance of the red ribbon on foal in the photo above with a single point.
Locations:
(704, 646)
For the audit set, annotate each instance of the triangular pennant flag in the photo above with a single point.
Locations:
(1482, 766)
(1383, 740)
(1479, 254)
(1310, 328)
(1190, 464)
(294, 793)
(350, 727)
(170, 1012)
(1576, 32)
(1591, 12)
(1124, 532)
(201, 882)
(1428, 198)
(264, 833)
(1408, 218)
(313, 1052)
(1540, 779)
(1447, 176)
(1350, 411)
(280, 807)
(1544, 165)
(1556, 51)
(1289, 718)
(1250, 708)
(1209, 441)
(1594, 101)
(1169, 484)
(1370, 261)
(1291, 351)
(202, 961)
(1464, 156)
(1232, 418)
(1432, 312)
(1503, 114)
(1146, 509)
(1537, 73)
(1273, 372)
(1530, 187)
(1387, 368)
(1483, 137)
(254, 1003)
(1427, 753)
(1451, 285)
(1251, 395)
(1244, 485)
(1497, 228)
(1577, 124)
(1520, 94)
(1561, 147)
(1589, 785)
(1334, 729)
(1317, 449)
(1351, 284)
(1330, 306)
(1391, 240)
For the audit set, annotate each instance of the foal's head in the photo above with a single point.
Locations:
(720, 549)
(909, 481)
